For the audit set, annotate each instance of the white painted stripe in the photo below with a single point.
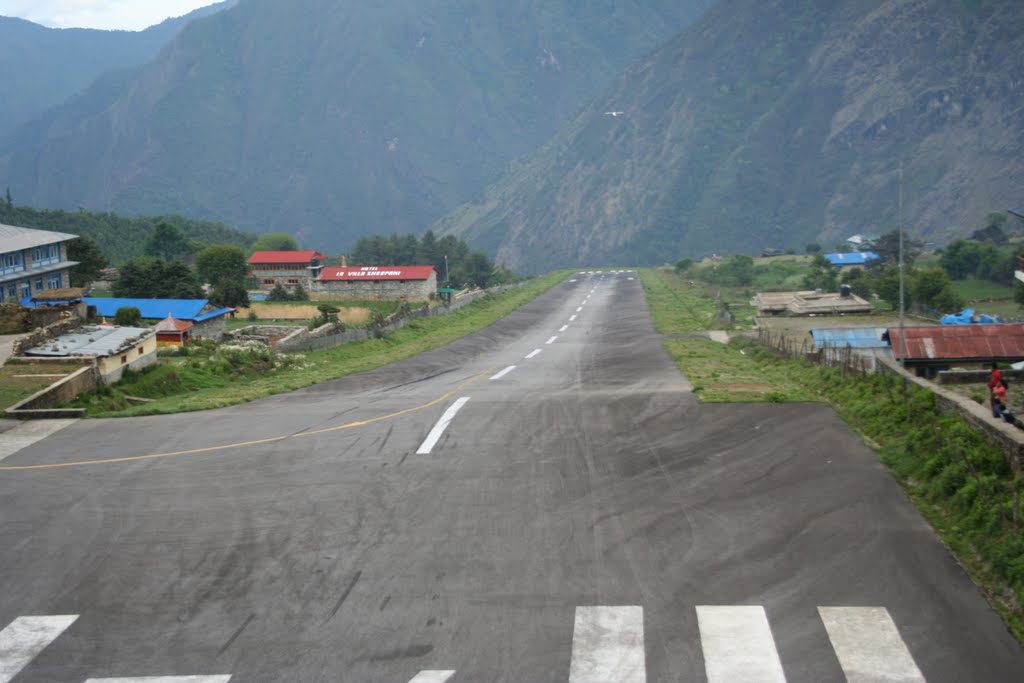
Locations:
(164, 679)
(533, 354)
(503, 372)
(608, 645)
(869, 646)
(571, 318)
(442, 424)
(579, 309)
(27, 433)
(563, 328)
(551, 341)
(738, 645)
(432, 676)
(26, 637)
(629, 278)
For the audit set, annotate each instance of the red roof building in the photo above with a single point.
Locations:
(173, 332)
(378, 282)
(290, 269)
(948, 344)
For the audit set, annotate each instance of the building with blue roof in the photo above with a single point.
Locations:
(854, 258)
(209, 321)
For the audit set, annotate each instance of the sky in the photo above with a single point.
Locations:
(130, 15)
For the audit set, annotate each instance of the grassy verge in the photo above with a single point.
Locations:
(959, 481)
(180, 384)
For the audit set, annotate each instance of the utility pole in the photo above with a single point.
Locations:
(903, 336)
(446, 270)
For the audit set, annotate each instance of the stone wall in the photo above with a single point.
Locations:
(416, 290)
(41, 335)
(64, 390)
(214, 328)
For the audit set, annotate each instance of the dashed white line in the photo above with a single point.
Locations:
(608, 645)
(738, 644)
(432, 676)
(164, 679)
(533, 354)
(504, 372)
(571, 318)
(579, 309)
(442, 424)
(551, 341)
(26, 637)
(563, 328)
(868, 645)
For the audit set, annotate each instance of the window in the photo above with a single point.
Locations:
(55, 281)
(43, 256)
(39, 284)
(268, 281)
(26, 288)
(12, 291)
(293, 280)
(12, 263)
(124, 359)
(140, 350)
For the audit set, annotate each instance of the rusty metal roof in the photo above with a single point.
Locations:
(960, 342)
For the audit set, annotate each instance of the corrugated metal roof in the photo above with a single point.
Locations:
(1018, 212)
(13, 238)
(92, 340)
(357, 273)
(158, 309)
(855, 337)
(960, 342)
(854, 258)
(295, 257)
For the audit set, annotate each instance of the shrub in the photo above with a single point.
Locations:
(128, 316)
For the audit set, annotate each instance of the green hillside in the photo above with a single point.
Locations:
(332, 119)
(774, 124)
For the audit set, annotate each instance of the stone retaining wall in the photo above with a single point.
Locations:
(64, 390)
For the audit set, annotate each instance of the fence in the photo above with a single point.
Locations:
(846, 358)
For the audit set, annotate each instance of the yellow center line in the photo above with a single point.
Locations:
(242, 444)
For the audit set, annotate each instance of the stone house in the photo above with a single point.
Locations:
(286, 268)
(415, 283)
(32, 261)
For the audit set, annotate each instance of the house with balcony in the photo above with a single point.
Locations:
(32, 261)
(289, 269)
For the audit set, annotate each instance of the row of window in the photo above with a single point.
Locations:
(269, 281)
(14, 262)
(16, 291)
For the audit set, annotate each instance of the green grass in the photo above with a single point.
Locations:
(14, 387)
(217, 386)
(730, 373)
(238, 323)
(676, 307)
(977, 290)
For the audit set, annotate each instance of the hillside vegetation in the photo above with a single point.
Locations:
(773, 124)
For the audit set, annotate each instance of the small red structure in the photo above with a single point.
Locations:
(173, 332)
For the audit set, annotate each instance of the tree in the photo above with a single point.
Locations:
(127, 316)
(167, 242)
(860, 283)
(813, 248)
(887, 285)
(279, 293)
(683, 265)
(90, 261)
(737, 270)
(275, 241)
(145, 277)
(221, 262)
(823, 275)
(8, 200)
(993, 231)
(960, 258)
(888, 249)
(932, 287)
(230, 292)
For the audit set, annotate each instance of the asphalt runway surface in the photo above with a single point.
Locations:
(544, 500)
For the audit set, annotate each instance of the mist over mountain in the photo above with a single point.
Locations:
(43, 67)
(776, 123)
(333, 119)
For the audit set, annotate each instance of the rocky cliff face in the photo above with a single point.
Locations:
(774, 124)
(333, 119)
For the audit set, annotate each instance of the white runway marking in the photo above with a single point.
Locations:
(571, 318)
(164, 679)
(26, 637)
(738, 645)
(533, 354)
(608, 645)
(563, 328)
(579, 309)
(504, 372)
(432, 676)
(27, 433)
(442, 424)
(869, 646)
(551, 341)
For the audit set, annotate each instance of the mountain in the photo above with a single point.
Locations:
(43, 67)
(333, 119)
(774, 123)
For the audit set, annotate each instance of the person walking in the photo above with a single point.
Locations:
(999, 399)
(996, 380)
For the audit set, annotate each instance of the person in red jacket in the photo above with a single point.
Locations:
(996, 381)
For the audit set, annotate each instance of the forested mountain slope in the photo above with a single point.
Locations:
(330, 118)
(775, 123)
(42, 67)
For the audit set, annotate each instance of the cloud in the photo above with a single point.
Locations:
(131, 15)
